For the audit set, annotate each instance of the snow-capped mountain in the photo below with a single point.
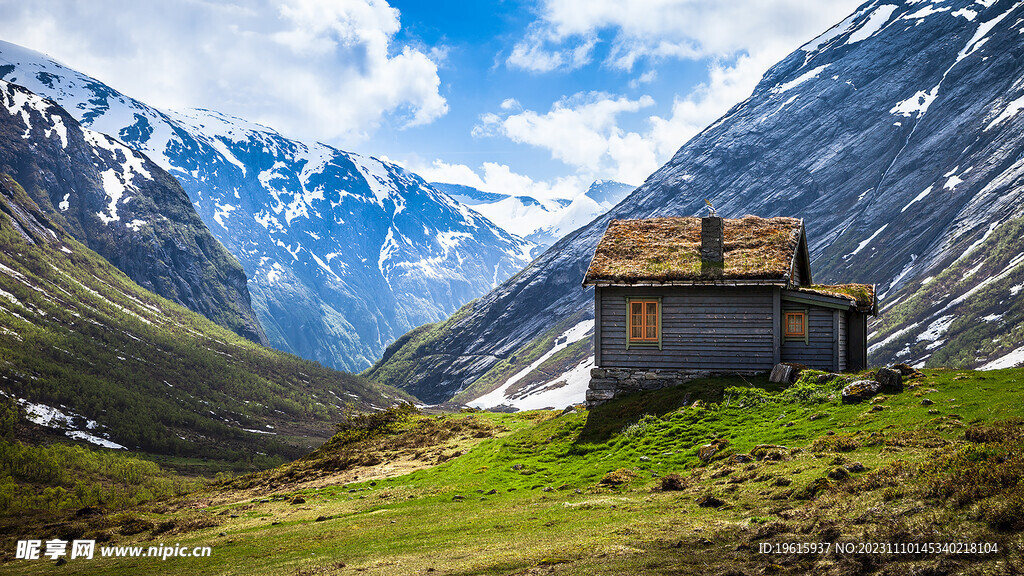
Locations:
(897, 135)
(344, 253)
(542, 222)
(123, 206)
(92, 356)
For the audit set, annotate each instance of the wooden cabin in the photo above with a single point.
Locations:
(674, 297)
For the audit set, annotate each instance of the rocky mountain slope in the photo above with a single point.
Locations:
(896, 135)
(124, 207)
(343, 253)
(95, 357)
(541, 222)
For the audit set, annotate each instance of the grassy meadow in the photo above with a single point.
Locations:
(694, 479)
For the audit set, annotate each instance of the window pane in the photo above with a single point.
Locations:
(795, 324)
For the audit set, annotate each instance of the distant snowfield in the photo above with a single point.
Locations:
(51, 417)
(542, 221)
(573, 392)
(1011, 360)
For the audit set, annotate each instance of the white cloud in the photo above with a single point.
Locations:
(499, 178)
(566, 31)
(581, 131)
(645, 78)
(727, 85)
(324, 69)
(534, 55)
(738, 40)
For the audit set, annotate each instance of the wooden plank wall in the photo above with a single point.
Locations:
(704, 328)
(844, 332)
(819, 351)
(858, 341)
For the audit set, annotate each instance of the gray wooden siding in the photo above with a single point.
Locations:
(844, 321)
(858, 359)
(703, 328)
(819, 350)
(798, 275)
(597, 322)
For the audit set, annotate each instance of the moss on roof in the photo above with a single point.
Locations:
(862, 294)
(668, 249)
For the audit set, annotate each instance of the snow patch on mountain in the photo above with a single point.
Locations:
(541, 221)
(917, 104)
(863, 244)
(1008, 112)
(874, 23)
(917, 198)
(1013, 359)
(787, 86)
(500, 395)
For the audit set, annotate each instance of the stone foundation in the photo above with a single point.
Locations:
(609, 383)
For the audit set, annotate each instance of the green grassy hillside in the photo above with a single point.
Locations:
(624, 489)
(966, 316)
(78, 336)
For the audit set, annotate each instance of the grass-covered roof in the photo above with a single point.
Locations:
(668, 250)
(863, 295)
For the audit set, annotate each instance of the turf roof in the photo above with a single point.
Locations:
(863, 295)
(668, 250)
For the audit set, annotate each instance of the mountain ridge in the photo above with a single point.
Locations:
(96, 357)
(894, 135)
(120, 204)
(321, 286)
(541, 222)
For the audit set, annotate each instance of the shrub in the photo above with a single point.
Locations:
(813, 488)
(976, 472)
(835, 443)
(1001, 432)
(672, 482)
(1005, 513)
(638, 428)
(618, 477)
(356, 426)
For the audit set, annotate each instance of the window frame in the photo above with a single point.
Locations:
(643, 342)
(795, 337)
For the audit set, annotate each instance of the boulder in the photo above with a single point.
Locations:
(908, 371)
(740, 458)
(708, 451)
(786, 372)
(891, 380)
(826, 378)
(860, 391)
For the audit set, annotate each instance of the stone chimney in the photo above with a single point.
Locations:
(712, 240)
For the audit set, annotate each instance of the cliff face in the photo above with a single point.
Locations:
(124, 207)
(895, 135)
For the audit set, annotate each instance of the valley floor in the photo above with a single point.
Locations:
(720, 476)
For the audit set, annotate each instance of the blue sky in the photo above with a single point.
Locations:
(527, 97)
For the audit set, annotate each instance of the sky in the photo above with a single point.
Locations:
(524, 97)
